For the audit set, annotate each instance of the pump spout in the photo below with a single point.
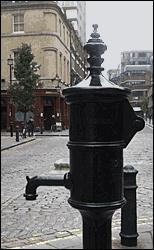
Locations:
(36, 181)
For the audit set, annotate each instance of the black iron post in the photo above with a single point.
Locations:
(129, 211)
(25, 130)
(102, 123)
(70, 61)
(41, 127)
(10, 63)
(41, 122)
(17, 133)
(28, 131)
(11, 123)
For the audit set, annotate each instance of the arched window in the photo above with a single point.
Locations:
(50, 62)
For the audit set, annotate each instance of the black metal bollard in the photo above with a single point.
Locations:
(128, 212)
(11, 128)
(17, 133)
(41, 129)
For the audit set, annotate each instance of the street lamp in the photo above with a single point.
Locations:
(10, 62)
(41, 122)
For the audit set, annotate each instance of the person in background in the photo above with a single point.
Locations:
(53, 123)
(31, 126)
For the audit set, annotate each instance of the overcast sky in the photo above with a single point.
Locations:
(123, 26)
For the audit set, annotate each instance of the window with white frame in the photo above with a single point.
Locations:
(18, 23)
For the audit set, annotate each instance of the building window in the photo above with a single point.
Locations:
(60, 26)
(142, 63)
(64, 69)
(138, 82)
(138, 93)
(68, 71)
(18, 23)
(73, 63)
(61, 66)
(64, 33)
(67, 39)
(142, 54)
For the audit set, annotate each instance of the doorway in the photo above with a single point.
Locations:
(48, 110)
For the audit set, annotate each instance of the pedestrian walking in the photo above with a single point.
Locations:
(31, 125)
(53, 123)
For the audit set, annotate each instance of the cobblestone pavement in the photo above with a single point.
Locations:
(50, 217)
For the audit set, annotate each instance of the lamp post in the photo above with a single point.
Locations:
(58, 90)
(10, 62)
(70, 61)
(41, 122)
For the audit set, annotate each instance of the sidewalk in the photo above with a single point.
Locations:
(8, 142)
(45, 133)
(74, 241)
(149, 123)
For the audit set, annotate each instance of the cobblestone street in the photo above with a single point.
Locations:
(50, 216)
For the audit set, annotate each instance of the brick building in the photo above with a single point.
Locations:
(56, 47)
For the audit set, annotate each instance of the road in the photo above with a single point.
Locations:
(50, 216)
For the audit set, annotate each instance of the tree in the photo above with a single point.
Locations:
(27, 79)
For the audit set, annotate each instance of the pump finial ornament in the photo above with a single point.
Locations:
(95, 26)
(95, 47)
(95, 35)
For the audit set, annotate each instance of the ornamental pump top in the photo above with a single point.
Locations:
(101, 124)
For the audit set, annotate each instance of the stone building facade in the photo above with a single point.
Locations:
(43, 25)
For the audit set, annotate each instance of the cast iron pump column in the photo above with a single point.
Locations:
(102, 123)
